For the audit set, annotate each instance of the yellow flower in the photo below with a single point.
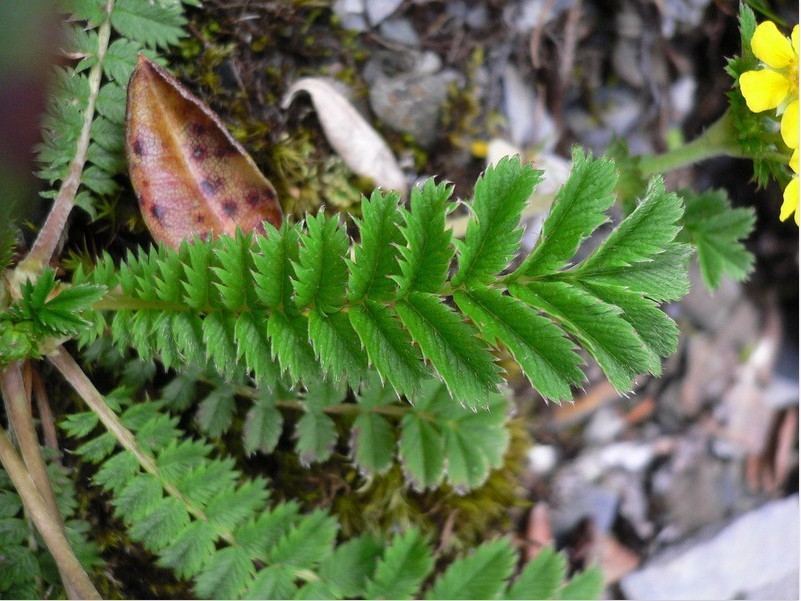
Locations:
(775, 87)
(790, 204)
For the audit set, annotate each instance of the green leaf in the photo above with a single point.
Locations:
(337, 347)
(541, 578)
(421, 449)
(540, 348)
(452, 346)
(225, 575)
(160, 527)
(481, 575)
(308, 544)
(252, 346)
(493, 232)
(263, 426)
(190, 550)
(644, 233)
(347, 569)
(321, 271)
(662, 278)
(218, 336)
(78, 425)
(288, 339)
(659, 333)
(388, 346)
(216, 411)
(373, 443)
(120, 60)
(273, 582)
(152, 24)
(717, 231)
(17, 566)
(375, 259)
(317, 435)
(233, 272)
(197, 269)
(399, 574)
(230, 508)
(111, 102)
(584, 585)
(424, 262)
(598, 326)
(139, 498)
(278, 250)
(579, 208)
(261, 535)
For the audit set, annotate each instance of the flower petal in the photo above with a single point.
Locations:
(771, 47)
(763, 89)
(790, 204)
(790, 125)
(794, 40)
(794, 161)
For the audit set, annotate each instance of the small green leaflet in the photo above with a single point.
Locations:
(402, 569)
(425, 259)
(580, 207)
(717, 230)
(375, 259)
(493, 232)
(460, 357)
(321, 271)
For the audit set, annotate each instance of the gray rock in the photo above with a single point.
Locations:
(681, 15)
(528, 14)
(529, 122)
(378, 10)
(754, 557)
(411, 104)
(399, 30)
(351, 14)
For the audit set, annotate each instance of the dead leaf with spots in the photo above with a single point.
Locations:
(190, 175)
(362, 149)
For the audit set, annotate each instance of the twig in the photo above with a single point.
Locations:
(18, 408)
(50, 234)
(73, 373)
(75, 577)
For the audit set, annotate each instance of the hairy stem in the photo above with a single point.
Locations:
(18, 408)
(719, 139)
(47, 240)
(75, 577)
(73, 373)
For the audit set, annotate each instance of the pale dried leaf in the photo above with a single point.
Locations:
(362, 149)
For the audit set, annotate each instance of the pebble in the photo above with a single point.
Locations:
(754, 557)
(411, 104)
(378, 10)
(529, 122)
(351, 14)
(401, 31)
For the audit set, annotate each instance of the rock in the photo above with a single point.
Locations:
(754, 557)
(694, 488)
(542, 458)
(604, 426)
(529, 122)
(681, 14)
(524, 16)
(378, 10)
(411, 104)
(400, 31)
(351, 14)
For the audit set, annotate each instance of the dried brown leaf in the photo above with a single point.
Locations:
(190, 175)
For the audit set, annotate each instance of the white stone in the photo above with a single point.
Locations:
(755, 553)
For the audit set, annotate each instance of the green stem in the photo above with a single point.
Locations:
(52, 533)
(719, 139)
(50, 234)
